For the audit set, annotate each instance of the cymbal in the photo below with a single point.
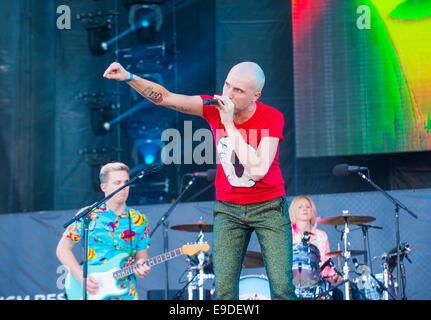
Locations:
(341, 220)
(340, 253)
(194, 227)
(253, 259)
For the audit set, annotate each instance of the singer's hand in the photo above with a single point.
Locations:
(116, 72)
(226, 108)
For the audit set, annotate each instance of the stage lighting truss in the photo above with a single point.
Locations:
(129, 3)
(147, 59)
(138, 103)
(95, 157)
(145, 20)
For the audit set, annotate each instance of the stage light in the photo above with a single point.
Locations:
(100, 116)
(145, 23)
(147, 20)
(149, 149)
(99, 28)
(102, 110)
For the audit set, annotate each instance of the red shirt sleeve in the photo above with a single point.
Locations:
(275, 125)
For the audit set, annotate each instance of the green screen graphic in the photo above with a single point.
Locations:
(362, 73)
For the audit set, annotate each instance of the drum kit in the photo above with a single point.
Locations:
(306, 266)
(311, 285)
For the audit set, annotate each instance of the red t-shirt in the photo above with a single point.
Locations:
(233, 183)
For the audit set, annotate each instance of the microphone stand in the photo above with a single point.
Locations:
(382, 286)
(163, 221)
(181, 291)
(398, 205)
(365, 228)
(84, 214)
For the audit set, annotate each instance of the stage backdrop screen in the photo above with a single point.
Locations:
(362, 74)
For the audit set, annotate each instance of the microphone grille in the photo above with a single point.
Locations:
(341, 170)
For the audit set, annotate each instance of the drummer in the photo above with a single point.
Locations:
(302, 212)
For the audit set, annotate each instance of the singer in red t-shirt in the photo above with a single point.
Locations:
(233, 182)
(249, 184)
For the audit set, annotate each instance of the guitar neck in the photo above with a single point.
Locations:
(127, 271)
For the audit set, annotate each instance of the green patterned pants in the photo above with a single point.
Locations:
(233, 226)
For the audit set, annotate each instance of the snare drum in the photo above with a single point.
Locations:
(319, 291)
(305, 266)
(254, 287)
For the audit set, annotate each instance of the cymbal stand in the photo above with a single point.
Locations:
(191, 281)
(201, 259)
(365, 236)
(180, 292)
(201, 276)
(385, 280)
(346, 260)
(365, 228)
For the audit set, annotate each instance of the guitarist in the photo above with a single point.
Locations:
(114, 228)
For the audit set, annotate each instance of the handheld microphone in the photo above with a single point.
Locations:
(342, 170)
(211, 102)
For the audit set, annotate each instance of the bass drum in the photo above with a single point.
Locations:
(254, 287)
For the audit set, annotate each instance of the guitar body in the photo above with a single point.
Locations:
(103, 274)
(106, 274)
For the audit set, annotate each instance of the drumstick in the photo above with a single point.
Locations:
(339, 258)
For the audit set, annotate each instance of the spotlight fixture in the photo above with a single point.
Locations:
(102, 110)
(149, 149)
(98, 26)
(147, 20)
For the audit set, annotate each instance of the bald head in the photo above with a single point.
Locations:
(251, 69)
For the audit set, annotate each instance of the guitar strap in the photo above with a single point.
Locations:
(131, 237)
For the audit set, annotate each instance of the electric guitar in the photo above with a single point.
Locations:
(108, 273)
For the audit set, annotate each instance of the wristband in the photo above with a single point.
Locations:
(130, 77)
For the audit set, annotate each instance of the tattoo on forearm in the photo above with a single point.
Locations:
(152, 95)
(179, 108)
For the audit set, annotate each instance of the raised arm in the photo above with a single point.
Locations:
(155, 92)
